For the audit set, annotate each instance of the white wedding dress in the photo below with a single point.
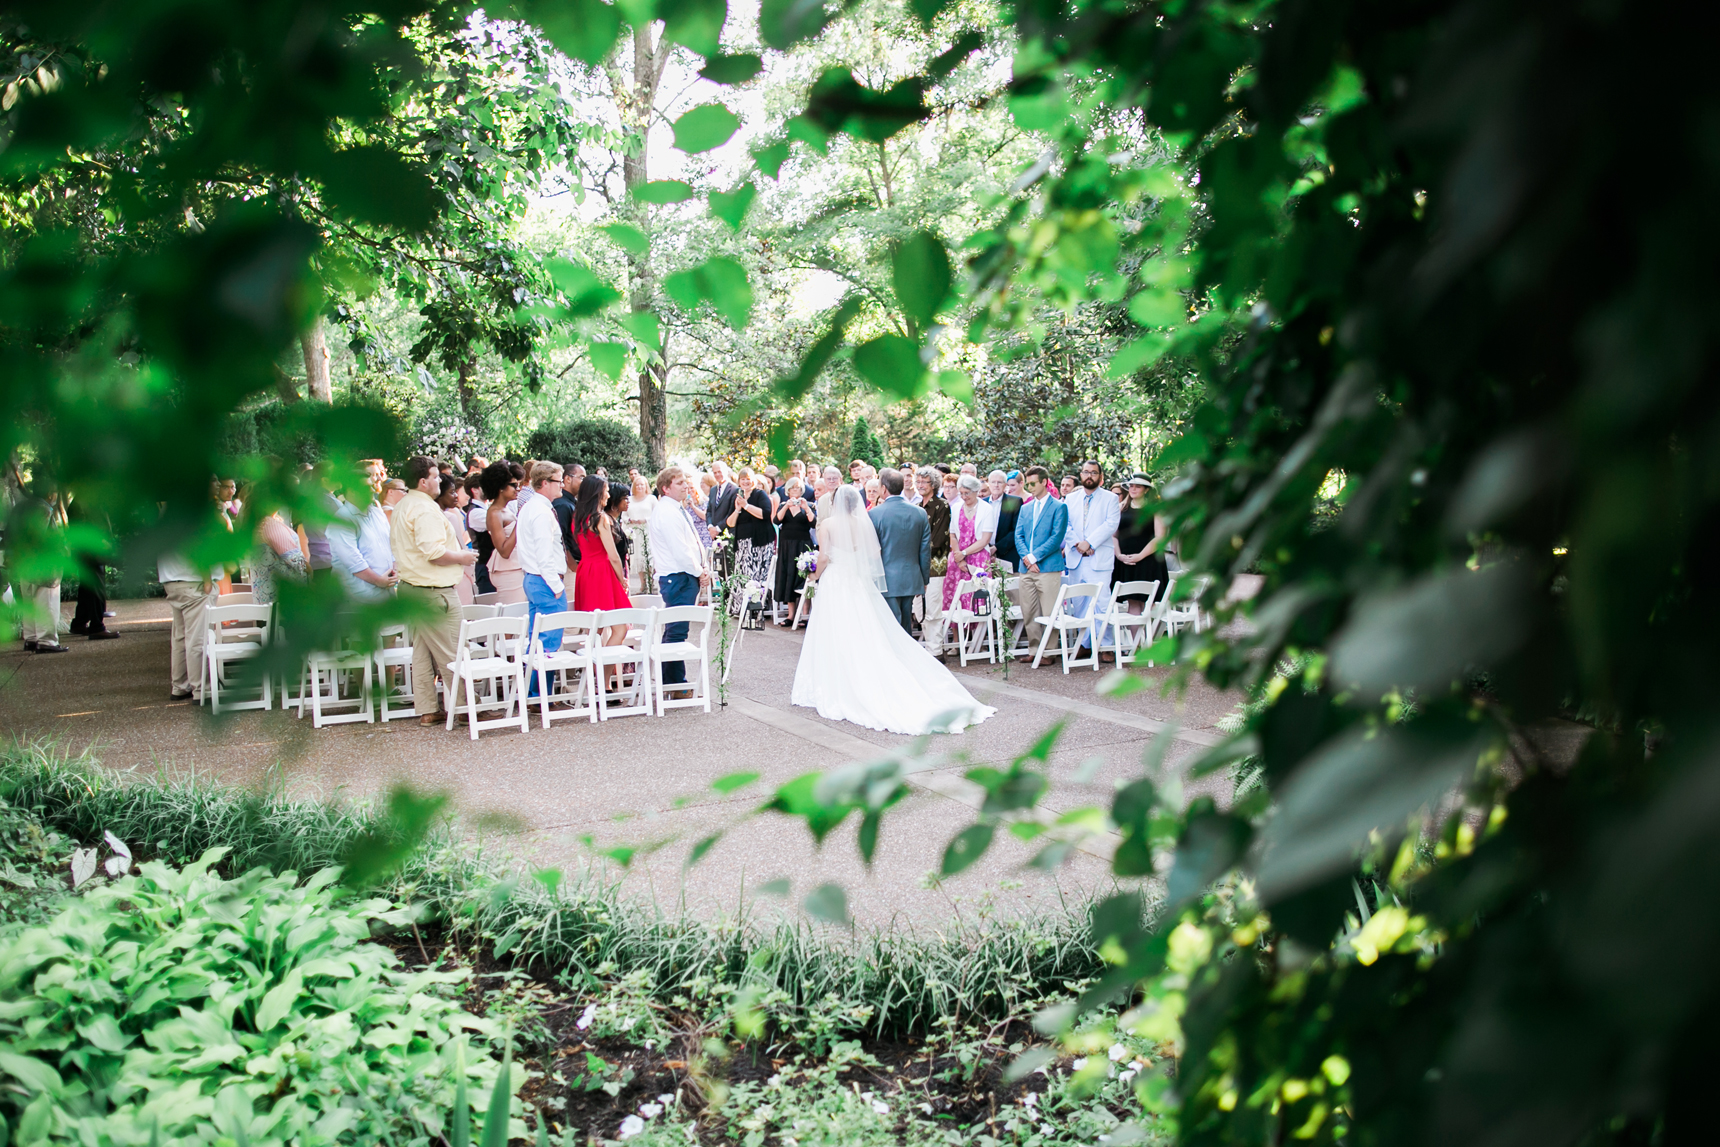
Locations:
(857, 663)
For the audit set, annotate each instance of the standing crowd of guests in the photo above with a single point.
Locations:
(554, 536)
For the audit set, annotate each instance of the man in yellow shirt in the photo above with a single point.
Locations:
(428, 558)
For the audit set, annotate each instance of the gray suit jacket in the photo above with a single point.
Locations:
(905, 544)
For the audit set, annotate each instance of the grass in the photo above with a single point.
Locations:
(579, 932)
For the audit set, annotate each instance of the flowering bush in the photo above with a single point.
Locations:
(448, 439)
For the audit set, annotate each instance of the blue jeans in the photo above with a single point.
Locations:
(540, 600)
(678, 589)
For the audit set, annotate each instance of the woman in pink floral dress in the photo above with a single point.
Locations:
(971, 527)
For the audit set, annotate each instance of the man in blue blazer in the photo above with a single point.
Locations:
(905, 545)
(1039, 531)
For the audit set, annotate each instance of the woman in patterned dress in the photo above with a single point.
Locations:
(971, 528)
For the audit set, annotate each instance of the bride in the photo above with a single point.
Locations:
(858, 664)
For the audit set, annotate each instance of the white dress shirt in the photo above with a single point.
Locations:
(1093, 518)
(359, 541)
(675, 546)
(537, 543)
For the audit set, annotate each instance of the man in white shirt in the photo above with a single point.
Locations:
(189, 592)
(537, 545)
(1089, 548)
(677, 557)
(360, 552)
(832, 483)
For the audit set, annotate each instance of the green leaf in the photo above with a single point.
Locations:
(694, 24)
(819, 354)
(460, 1133)
(378, 185)
(609, 357)
(837, 102)
(701, 848)
(383, 849)
(630, 239)
(586, 294)
(1186, 448)
(102, 1032)
(777, 887)
(780, 440)
(784, 23)
(771, 157)
(583, 29)
(705, 127)
(731, 206)
(868, 838)
(921, 273)
(278, 1001)
(663, 191)
(829, 903)
(968, 846)
(645, 327)
(731, 782)
(891, 363)
(1158, 308)
(34, 1073)
(1029, 1062)
(718, 279)
(947, 61)
(683, 287)
(735, 69)
(496, 1119)
(927, 10)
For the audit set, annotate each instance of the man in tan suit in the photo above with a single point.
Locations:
(429, 559)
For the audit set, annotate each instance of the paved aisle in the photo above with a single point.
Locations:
(644, 780)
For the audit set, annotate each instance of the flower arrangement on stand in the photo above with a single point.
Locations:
(1007, 614)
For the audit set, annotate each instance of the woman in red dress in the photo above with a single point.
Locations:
(598, 583)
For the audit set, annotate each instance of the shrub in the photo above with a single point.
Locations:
(175, 1002)
(864, 445)
(592, 442)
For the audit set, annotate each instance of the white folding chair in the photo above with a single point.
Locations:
(238, 597)
(570, 666)
(647, 600)
(327, 704)
(975, 626)
(1126, 632)
(491, 598)
(688, 650)
(1064, 622)
(514, 609)
(490, 651)
(218, 654)
(394, 653)
(1011, 624)
(603, 657)
(1173, 615)
(477, 612)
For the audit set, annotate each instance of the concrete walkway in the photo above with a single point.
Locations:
(575, 788)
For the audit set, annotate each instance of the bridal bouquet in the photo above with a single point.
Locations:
(807, 562)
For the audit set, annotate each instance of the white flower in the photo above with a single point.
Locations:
(1031, 1099)
(1128, 1075)
(631, 1126)
(627, 1024)
(650, 1110)
(667, 1099)
(1046, 1129)
(880, 1107)
(1117, 1052)
(926, 1107)
(585, 1017)
(1079, 1064)
(774, 1081)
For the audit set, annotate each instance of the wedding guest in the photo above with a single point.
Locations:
(937, 510)
(476, 465)
(190, 591)
(543, 558)
(857, 472)
(1039, 533)
(874, 493)
(478, 530)
(1012, 484)
(949, 492)
(429, 560)
(90, 616)
(832, 483)
(1140, 543)
(564, 507)
(1089, 547)
(501, 487)
(38, 522)
(721, 503)
(970, 469)
(1008, 506)
(318, 556)
(641, 503)
(393, 491)
(359, 546)
(453, 501)
(755, 536)
(1067, 486)
(698, 497)
(795, 520)
(678, 557)
(971, 531)
(276, 557)
(600, 581)
(620, 501)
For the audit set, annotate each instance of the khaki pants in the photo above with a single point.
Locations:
(42, 623)
(433, 642)
(188, 600)
(1035, 595)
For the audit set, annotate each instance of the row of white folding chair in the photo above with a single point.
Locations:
(1126, 632)
(584, 657)
(1066, 622)
(234, 633)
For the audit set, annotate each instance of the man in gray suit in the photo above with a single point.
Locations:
(905, 544)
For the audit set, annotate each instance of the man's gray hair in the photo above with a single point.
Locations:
(928, 472)
(997, 474)
(833, 472)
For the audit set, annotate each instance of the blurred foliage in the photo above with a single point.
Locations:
(1452, 259)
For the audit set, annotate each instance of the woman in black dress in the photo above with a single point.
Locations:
(755, 533)
(1140, 543)
(794, 519)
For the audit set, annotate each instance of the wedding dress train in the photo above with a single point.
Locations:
(857, 663)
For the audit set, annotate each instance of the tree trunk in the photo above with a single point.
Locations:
(467, 390)
(639, 112)
(315, 347)
(286, 388)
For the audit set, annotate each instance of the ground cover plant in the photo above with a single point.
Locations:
(729, 1028)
